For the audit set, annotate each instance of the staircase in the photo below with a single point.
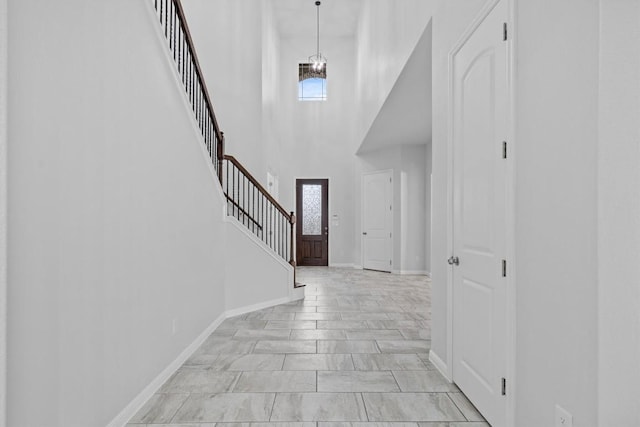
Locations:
(247, 200)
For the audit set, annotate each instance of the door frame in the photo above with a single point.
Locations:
(393, 259)
(295, 203)
(510, 213)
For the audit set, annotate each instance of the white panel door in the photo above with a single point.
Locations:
(376, 220)
(479, 231)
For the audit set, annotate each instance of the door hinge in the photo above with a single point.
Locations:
(504, 149)
(504, 386)
(504, 268)
(504, 31)
(389, 179)
(389, 262)
(390, 207)
(389, 235)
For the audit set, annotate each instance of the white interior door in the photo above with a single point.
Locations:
(479, 230)
(376, 220)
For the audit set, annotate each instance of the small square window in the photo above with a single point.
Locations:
(312, 83)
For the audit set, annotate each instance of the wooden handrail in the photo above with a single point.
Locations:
(196, 62)
(290, 217)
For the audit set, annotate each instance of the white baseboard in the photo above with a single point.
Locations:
(256, 307)
(414, 272)
(341, 265)
(136, 404)
(440, 365)
(357, 266)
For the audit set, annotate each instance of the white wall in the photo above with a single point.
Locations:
(388, 31)
(315, 139)
(405, 116)
(428, 198)
(318, 140)
(556, 206)
(413, 210)
(114, 219)
(576, 206)
(619, 214)
(271, 90)
(410, 213)
(3, 212)
(268, 281)
(228, 39)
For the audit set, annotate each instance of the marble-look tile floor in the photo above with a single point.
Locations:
(353, 353)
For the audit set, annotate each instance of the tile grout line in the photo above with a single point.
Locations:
(364, 404)
(178, 410)
(457, 407)
(236, 381)
(396, 380)
(273, 405)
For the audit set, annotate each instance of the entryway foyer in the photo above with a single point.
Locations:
(354, 350)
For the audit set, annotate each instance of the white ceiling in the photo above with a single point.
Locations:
(338, 18)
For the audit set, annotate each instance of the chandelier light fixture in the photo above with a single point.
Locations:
(317, 61)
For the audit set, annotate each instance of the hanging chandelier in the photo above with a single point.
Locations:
(317, 61)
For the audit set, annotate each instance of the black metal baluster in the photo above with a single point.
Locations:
(233, 189)
(280, 234)
(184, 58)
(172, 14)
(175, 34)
(166, 15)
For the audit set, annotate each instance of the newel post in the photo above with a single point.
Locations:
(220, 155)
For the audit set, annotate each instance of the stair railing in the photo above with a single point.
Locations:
(175, 28)
(250, 203)
(247, 200)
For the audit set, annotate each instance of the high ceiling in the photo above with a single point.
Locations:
(338, 18)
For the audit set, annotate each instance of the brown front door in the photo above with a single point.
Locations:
(312, 230)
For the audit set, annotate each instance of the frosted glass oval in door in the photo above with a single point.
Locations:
(479, 229)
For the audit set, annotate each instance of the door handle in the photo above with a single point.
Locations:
(454, 260)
